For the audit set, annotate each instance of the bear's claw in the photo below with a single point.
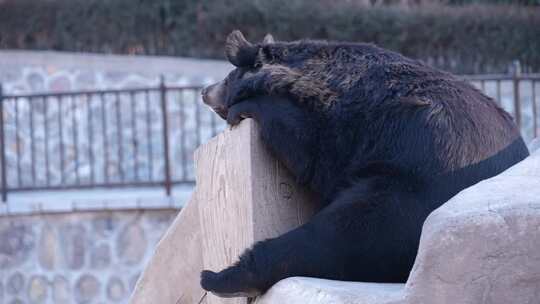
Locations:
(226, 284)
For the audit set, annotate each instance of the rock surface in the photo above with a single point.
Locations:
(16, 244)
(37, 289)
(61, 290)
(86, 288)
(131, 244)
(479, 247)
(299, 290)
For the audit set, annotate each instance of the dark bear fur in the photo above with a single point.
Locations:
(382, 139)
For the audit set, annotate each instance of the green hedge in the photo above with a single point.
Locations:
(464, 39)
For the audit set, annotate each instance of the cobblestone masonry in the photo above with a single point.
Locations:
(84, 257)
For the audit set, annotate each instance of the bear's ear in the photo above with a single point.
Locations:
(239, 51)
(268, 39)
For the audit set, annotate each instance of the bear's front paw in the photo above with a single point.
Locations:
(229, 283)
(240, 111)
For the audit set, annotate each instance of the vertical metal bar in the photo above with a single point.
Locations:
(499, 92)
(75, 139)
(17, 142)
(90, 131)
(197, 117)
(46, 138)
(134, 134)
(3, 144)
(182, 117)
(119, 136)
(61, 139)
(534, 108)
(149, 136)
(104, 139)
(165, 133)
(483, 86)
(517, 101)
(32, 142)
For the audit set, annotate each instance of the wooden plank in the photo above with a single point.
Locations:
(172, 275)
(224, 178)
(244, 196)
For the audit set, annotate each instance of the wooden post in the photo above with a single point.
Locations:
(244, 196)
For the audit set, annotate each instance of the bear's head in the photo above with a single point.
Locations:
(316, 73)
(240, 53)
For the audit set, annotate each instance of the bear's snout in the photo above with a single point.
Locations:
(213, 96)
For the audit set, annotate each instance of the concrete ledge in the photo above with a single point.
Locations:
(55, 201)
(298, 290)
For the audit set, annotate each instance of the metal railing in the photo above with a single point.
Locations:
(146, 136)
(519, 98)
(102, 138)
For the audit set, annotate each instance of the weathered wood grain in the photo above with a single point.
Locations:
(244, 196)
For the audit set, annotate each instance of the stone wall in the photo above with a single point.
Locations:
(80, 257)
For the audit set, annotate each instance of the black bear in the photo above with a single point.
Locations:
(381, 139)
